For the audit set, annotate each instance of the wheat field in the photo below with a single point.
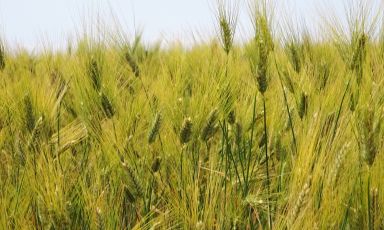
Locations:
(267, 134)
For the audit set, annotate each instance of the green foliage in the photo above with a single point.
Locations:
(253, 136)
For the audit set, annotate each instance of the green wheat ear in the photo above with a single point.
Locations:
(374, 208)
(128, 195)
(94, 72)
(294, 55)
(154, 131)
(262, 66)
(238, 132)
(186, 131)
(358, 56)
(264, 43)
(2, 124)
(369, 135)
(209, 128)
(352, 102)
(227, 35)
(227, 17)
(134, 180)
(132, 63)
(107, 106)
(232, 117)
(278, 148)
(29, 117)
(303, 105)
(2, 56)
(156, 164)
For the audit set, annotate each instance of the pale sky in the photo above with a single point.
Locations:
(35, 23)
